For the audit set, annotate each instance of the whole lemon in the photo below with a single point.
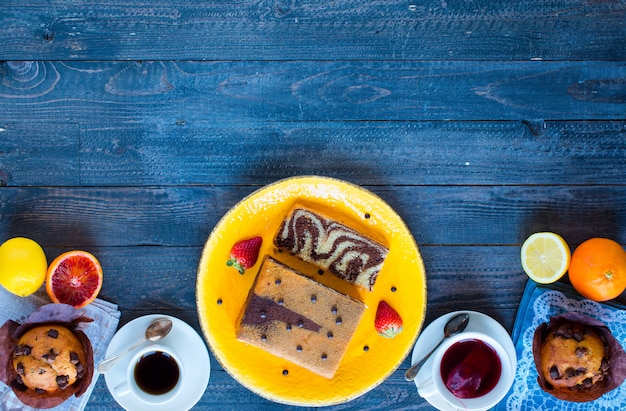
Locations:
(23, 266)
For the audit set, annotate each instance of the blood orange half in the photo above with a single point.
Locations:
(74, 278)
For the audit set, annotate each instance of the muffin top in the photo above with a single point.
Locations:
(49, 358)
(573, 355)
(577, 358)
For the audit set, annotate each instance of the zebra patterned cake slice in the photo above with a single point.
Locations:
(330, 245)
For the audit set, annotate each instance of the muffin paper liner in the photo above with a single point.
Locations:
(614, 354)
(10, 332)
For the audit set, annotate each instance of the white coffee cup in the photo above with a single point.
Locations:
(435, 384)
(144, 390)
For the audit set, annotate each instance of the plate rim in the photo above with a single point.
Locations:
(309, 180)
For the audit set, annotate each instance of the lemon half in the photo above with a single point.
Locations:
(23, 266)
(545, 257)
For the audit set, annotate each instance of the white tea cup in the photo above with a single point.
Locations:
(154, 375)
(452, 358)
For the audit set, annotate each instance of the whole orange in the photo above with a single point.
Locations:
(598, 269)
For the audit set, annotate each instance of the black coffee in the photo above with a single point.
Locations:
(156, 373)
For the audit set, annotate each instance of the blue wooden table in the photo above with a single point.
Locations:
(129, 128)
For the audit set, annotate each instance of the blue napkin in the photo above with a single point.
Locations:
(538, 304)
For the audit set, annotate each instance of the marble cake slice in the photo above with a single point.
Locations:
(330, 245)
(298, 319)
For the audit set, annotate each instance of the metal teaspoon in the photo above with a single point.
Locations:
(454, 326)
(157, 329)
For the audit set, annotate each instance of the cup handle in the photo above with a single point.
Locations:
(122, 389)
(426, 388)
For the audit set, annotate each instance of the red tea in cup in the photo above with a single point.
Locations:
(470, 368)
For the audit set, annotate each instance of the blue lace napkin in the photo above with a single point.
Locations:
(538, 304)
(106, 317)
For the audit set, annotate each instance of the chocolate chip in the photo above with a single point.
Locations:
(41, 371)
(49, 356)
(581, 351)
(19, 380)
(40, 391)
(52, 333)
(554, 372)
(578, 336)
(580, 371)
(80, 370)
(23, 350)
(20, 368)
(74, 358)
(62, 381)
(569, 373)
(587, 382)
(562, 331)
(604, 366)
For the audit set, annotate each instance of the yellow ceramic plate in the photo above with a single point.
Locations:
(221, 291)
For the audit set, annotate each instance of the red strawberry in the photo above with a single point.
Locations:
(388, 322)
(244, 254)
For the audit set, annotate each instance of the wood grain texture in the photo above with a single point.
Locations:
(39, 154)
(114, 93)
(297, 30)
(184, 216)
(129, 129)
(369, 153)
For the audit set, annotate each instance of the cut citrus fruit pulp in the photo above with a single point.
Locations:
(74, 278)
(23, 266)
(545, 257)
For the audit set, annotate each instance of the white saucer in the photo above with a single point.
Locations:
(189, 347)
(434, 333)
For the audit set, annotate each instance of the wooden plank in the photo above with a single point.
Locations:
(184, 216)
(102, 94)
(288, 30)
(38, 154)
(370, 153)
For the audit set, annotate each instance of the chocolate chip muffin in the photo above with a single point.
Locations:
(577, 358)
(48, 358)
(573, 355)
